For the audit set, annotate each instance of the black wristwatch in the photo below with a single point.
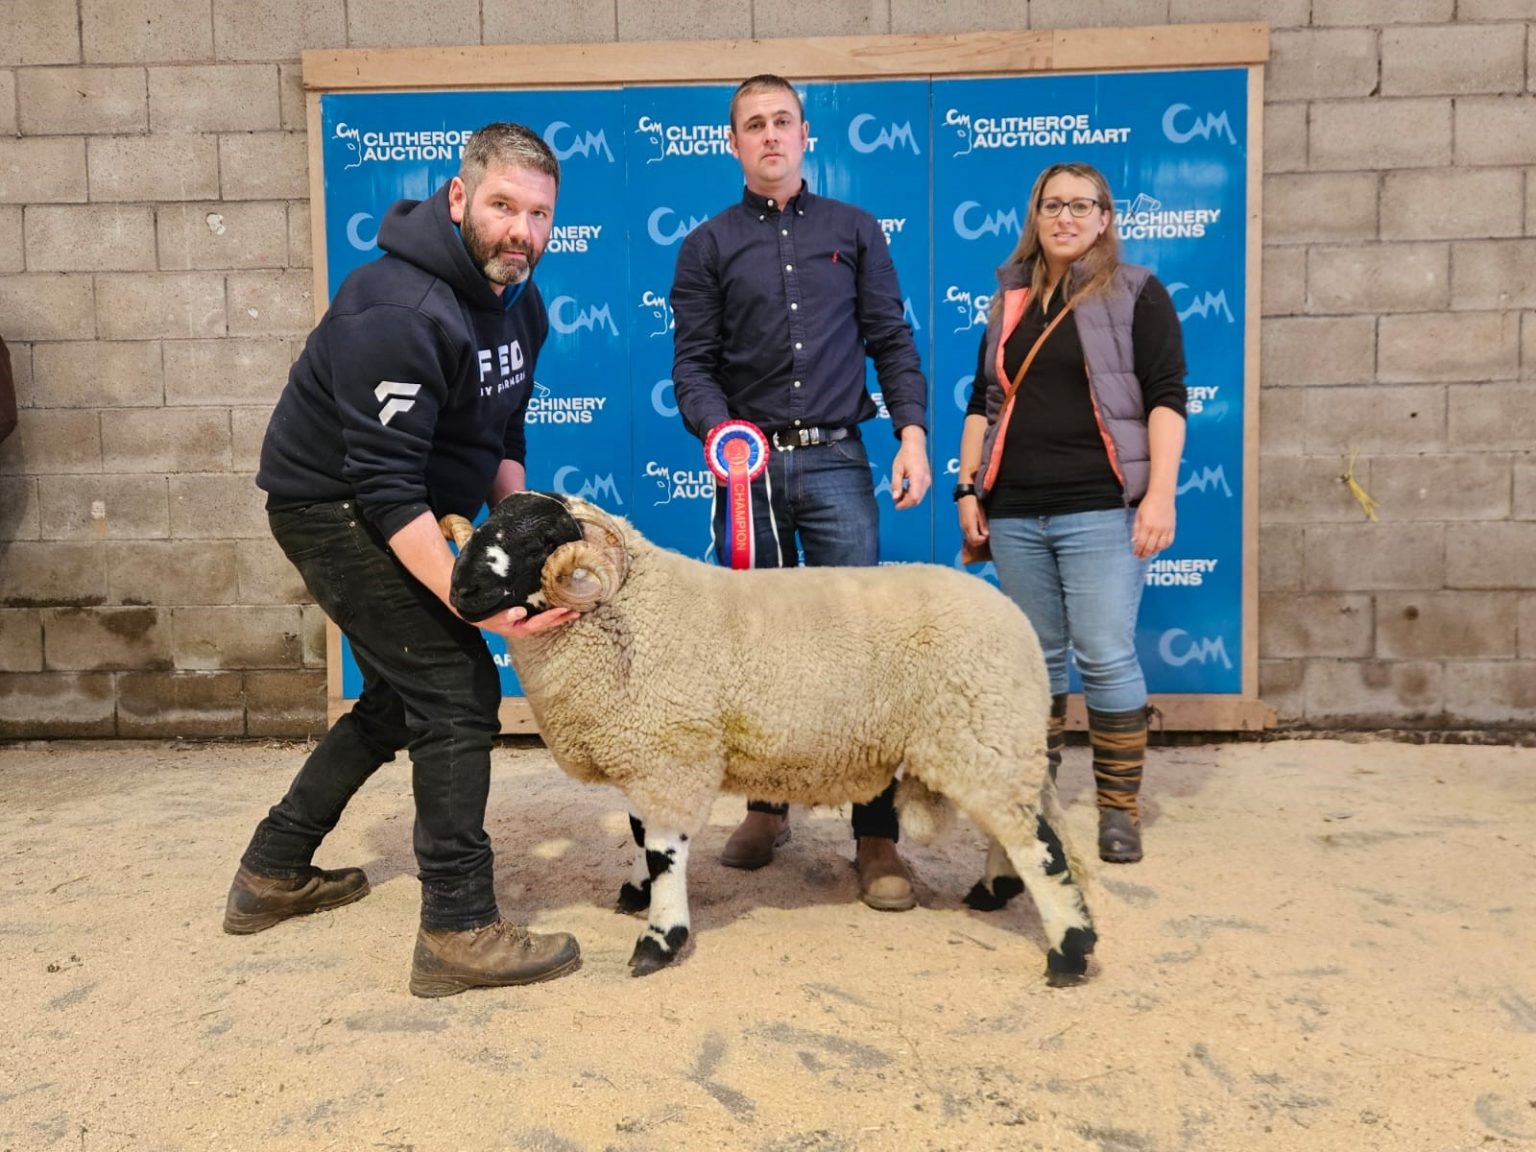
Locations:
(963, 490)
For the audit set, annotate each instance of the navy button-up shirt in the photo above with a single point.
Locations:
(776, 310)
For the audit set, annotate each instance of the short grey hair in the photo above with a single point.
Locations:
(506, 145)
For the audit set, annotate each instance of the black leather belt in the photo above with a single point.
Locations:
(788, 439)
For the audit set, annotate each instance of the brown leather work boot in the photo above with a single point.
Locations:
(751, 845)
(257, 902)
(884, 882)
(492, 956)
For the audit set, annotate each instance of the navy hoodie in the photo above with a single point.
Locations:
(413, 387)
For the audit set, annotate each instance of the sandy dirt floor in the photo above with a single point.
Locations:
(1330, 946)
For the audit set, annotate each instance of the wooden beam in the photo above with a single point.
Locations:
(811, 58)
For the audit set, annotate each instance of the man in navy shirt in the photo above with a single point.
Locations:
(406, 404)
(777, 301)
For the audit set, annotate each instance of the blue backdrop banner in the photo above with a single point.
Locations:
(946, 167)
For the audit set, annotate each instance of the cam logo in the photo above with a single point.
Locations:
(963, 391)
(1177, 649)
(567, 323)
(909, 314)
(881, 411)
(999, 223)
(582, 144)
(568, 481)
(972, 308)
(960, 123)
(891, 136)
(355, 232)
(395, 397)
(351, 140)
(1203, 305)
(660, 308)
(952, 466)
(1207, 477)
(680, 484)
(1201, 126)
(664, 231)
(664, 399)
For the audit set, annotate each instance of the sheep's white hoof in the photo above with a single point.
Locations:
(651, 955)
(632, 899)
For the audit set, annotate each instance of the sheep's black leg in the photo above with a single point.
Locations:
(1064, 914)
(666, 854)
(635, 893)
(998, 885)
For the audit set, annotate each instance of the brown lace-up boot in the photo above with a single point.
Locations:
(493, 956)
(257, 902)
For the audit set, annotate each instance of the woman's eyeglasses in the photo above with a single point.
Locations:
(1079, 207)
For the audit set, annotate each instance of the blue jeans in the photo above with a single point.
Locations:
(429, 684)
(820, 500)
(1079, 582)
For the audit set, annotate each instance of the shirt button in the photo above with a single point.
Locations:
(797, 383)
(797, 345)
(789, 267)
(794, 307)
(797, 423)
(783, 231)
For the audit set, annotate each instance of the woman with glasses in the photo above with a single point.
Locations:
(1069, 461)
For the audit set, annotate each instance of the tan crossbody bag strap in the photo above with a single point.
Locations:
(1018, 377)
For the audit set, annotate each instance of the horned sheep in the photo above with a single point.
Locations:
(680, 680)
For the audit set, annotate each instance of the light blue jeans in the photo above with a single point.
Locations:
(1079, 582)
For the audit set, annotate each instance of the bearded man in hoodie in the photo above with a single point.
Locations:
(408, 403)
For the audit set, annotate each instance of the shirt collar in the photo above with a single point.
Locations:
(758, 205)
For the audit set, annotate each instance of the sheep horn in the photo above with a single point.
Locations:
(586, 572)
(456, 528)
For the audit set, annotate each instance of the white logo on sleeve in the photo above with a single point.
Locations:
(392, 395)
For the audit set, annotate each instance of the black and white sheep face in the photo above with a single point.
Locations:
(502, 566)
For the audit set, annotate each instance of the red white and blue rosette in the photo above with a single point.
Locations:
(737, 453)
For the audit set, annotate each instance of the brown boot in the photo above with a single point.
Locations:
(1119, 742)
(751, 845)
(492, 956)
(884, 882)
(257, 902)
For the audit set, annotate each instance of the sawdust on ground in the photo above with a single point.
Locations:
(1330, 946)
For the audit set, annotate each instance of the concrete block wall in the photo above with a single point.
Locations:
(155, 285)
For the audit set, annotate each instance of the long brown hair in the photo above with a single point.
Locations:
(1092, 271)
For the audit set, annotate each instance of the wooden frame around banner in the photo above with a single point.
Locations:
(973, 54)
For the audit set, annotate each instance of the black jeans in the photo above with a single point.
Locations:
(429, 684)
